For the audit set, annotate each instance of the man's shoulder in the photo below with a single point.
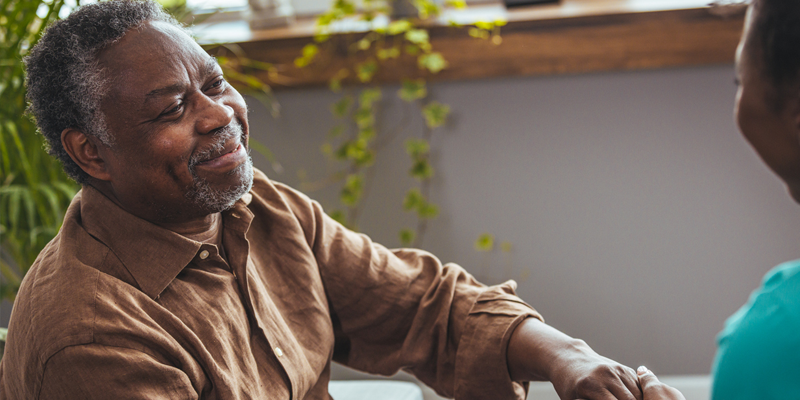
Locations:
(63, 297)
(268, 189)
(280, 197)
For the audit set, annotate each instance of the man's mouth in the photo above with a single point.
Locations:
(229, 148)
(228, 143)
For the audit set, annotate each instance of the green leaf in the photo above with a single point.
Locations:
(367, 133)
(398, 27)
(417, 36)
(478, 33)
(385, 54)
(457, 4)
(352, 190)
(321, 37)
(364, 117)
(417, 147)
(345, 7)
(421, 169)
(412, 50)
(365, 159)
(413, 199)
(11, 276)
(341, 107)
(336, 80)
(369, 96)
(487, 26)
(52, 199)
(366, 70)
(435, 114)
(426, 8)
(310, 50)
(428, 211)
(364, 44)
(413, 89)
(485, 242)
(407, 237)
(433, 62)
(338, 216)
(335, 85)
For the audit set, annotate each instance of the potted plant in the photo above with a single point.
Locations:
(34, 190)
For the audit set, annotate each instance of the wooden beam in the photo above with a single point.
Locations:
(550, 42)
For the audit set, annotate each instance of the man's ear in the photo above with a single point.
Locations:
(83, 149)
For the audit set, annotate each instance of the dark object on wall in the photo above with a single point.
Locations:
(518, 3)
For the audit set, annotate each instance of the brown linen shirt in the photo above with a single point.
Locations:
(118, 308)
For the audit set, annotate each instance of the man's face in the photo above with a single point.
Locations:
(180, 132)
(771, 130)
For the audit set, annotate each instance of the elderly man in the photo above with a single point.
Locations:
(181, 272)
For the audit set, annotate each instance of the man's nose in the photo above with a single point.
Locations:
(212, 115)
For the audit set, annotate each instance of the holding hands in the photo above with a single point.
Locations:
(653, 389)
(537, 351)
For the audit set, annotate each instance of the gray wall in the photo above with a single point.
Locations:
(639, 217)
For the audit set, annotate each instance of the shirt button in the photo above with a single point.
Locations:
(278, 352)
(204, 254)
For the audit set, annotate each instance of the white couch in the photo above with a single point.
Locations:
(693, 387)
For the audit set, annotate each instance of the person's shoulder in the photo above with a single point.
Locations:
(281, 198)
(268, 189)
(757, 347)
(777, 299)
(62, 298)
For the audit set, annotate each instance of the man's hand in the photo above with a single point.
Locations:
(537, 351)
(653, 388)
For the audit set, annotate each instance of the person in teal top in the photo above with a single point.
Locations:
(759, 348)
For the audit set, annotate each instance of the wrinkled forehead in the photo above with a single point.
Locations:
(150, 55)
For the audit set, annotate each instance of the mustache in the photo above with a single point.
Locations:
(215, 149)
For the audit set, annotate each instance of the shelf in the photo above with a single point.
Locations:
(572, 37)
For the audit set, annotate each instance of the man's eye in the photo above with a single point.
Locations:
(173, 111)
(217, 85)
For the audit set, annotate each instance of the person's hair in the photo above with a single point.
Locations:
(65, 81)
(776, 30)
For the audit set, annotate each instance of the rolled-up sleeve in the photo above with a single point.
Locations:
(404, 309)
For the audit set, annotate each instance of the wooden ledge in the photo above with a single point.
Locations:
(576, 36)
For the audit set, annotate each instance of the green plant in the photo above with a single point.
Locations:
(34, 190)
(355, 140)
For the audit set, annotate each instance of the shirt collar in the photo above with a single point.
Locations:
(153, 255)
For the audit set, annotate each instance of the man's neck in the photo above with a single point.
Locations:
(205, 230)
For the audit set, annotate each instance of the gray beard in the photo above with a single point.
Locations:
(212, 200)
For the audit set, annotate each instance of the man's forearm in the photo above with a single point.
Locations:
(537, 351)
(536, 348)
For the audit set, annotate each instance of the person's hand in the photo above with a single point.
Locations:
(537, 351)
(581, 373)
(653, 388)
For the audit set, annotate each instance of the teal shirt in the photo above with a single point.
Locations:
(759, 348)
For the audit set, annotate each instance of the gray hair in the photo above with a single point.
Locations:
(64, 79)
